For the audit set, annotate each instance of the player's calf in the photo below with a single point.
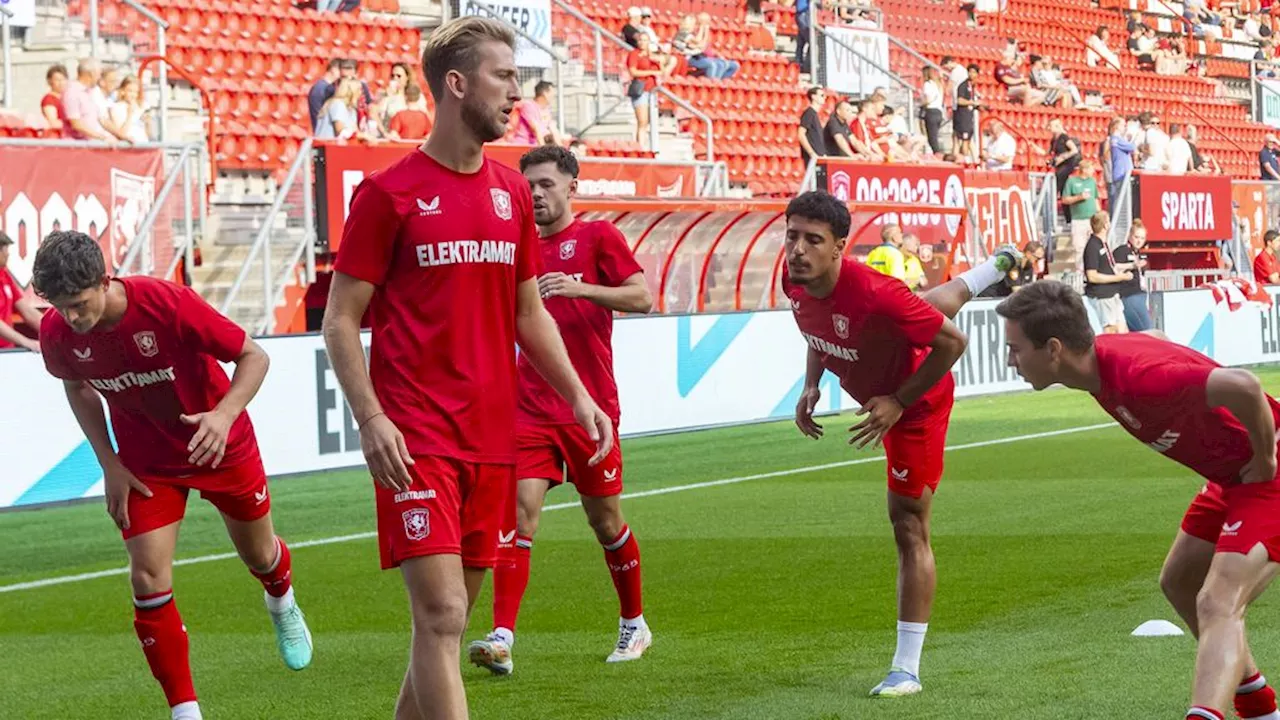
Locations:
(165, 644)
(622, 556)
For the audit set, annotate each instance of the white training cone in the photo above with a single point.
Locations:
(1157, 628)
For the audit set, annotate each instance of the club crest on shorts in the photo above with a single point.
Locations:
(841, 324)
(146, 342)
(501, 203)
(566, 249)
(417, 523)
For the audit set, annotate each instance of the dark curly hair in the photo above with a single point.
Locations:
(564, 160)
(823, 207)
(67, 264)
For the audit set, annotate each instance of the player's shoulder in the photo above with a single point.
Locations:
(508, 177)
(155, 291)
(602, 230)
(54, 330)
(406, 176)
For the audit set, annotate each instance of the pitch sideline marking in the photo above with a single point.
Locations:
(81, 577)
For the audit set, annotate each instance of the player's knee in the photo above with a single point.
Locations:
(147, 580)
(606, 521)
(1215, 605)
(260, 557)
(441, 616)
(527, 520)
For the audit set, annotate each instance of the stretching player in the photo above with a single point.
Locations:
(590, 273)
(893, 351)
(444, 246)
(1216, 421)
(152, 349)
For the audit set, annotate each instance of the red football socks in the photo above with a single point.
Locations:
(279, 578)
(164, 642)
(1255, 699)
(623, 558)
(510, 579)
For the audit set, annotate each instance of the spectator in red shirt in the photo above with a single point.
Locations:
(51, 103)
(410, 123)
(1018, 87)
(1266, 267)
(645, 69)
(11, 302)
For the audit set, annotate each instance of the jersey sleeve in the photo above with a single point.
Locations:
(918, 320)
(529, 253)
(51, 350)
(1183, 384)
(206, 330)
(614, 257)
(369, 236)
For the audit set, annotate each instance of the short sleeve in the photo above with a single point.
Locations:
(528, 254)
(918, 320)
(614, 258)
(206, 330)
(1091, 254)
(369, 236)
(51, 350)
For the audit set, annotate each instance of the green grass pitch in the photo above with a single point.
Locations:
(769, 598)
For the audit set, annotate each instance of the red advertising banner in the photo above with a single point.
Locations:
(103, 193)
(938, 185)
(341, 167)
(1000, 202)
(1185, 207)
(1253, 207)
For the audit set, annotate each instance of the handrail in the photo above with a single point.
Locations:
(1191, 36)
(148, 222)
(1124, 79)
(911, 90)
(810, 175)
(162, 126)
(1204, 121)
(1027, 144)
(6, 56)
(623, 44)
(559, 61)
(912, 52)
(208, 106)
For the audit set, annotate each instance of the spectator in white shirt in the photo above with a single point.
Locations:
(956, 74)
(1178, 152)
(932, 110)
(1000, 151)
(1157, 143)
(1099, 53)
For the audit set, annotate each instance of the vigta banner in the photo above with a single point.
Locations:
(105, 193)
(342, 167)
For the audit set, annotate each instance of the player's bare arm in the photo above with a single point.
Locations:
(86, 405)
(17, 338)
(1240, 393)
(209, 443)
(810, 395)
(384, 448)
(632, 296)
(540, 340)
(883, 411)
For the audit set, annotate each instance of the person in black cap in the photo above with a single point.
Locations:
(12, 301)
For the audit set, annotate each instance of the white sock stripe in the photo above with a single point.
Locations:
(1256, 685)
(152, 602)
(913, 627)
(626, 535)
(279, 556)
(526, 544)
(1200, 713)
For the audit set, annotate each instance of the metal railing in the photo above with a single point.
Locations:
(910, 89)
(1071, 33)
(6, 54)
(1121, 207)
(1157, 280)
(162, 123)
(1260, 95)
(557, 62)
(1044, 206)
(273, 282)
(147, 227)
(1206, 122)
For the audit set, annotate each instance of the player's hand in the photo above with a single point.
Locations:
(557, 284)
(804, 412)
(599, 428)
(209, 444)
(1260, 468)
(386, 453)
(117, 483)
(31, 345)
(882, 412)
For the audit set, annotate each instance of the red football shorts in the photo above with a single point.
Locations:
(913, 452)
(238, 492)
(452, 508)
(553, 452)
(1237, 517)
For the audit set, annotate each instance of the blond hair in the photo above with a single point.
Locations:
(1099, 221)
(455, 46)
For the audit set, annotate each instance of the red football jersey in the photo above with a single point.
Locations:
(594, 253)
(10, 294)
(1156, 390)
(446, 251)
(872, 333)
(160, 361)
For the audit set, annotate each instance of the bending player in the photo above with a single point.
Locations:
(151, 349)
(590, 273)
(444, 246)
(1216, 421)
(893, 351)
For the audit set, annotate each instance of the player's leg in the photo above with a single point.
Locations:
(950, 296)
(433, 687)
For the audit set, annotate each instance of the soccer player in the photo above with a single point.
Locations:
(893, 351)
(589, 273)
(1216, 421)
(442, 247)
(151, 349)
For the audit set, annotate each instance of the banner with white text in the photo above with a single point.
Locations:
(845, 60)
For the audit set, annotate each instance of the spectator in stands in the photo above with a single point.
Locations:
(646, 27)
(691, 42)
(1048, 77)
(1134, 21)
(887, 257)
(1098, 53)
(1017, 86)
(84, 120)
(1121, 151)
(1170, 57)
(802, 33)
(1266, 266)
(867, 135)
(963, 118)
(1027, 272)
(410, 123)
(338, 117)
(812, 144)
(1064, 153)
(931, 112)
(934, 264)
(364, 100)
(645, 69)
(1080, 196)
(999, 153)
(1178, 152)
(1133, 293)
(1201, 162)
(1155, 157)
(534, 122)
(906, 146)
(105, 93)
(393, 100)
(913, 270)
(1102, 279)
(954, 73)
(127, 114)
(1142, 45)
(1267, 160)
(12, 302)
(51, 103)
(835, 136)
(322, 90)
(632, 28)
